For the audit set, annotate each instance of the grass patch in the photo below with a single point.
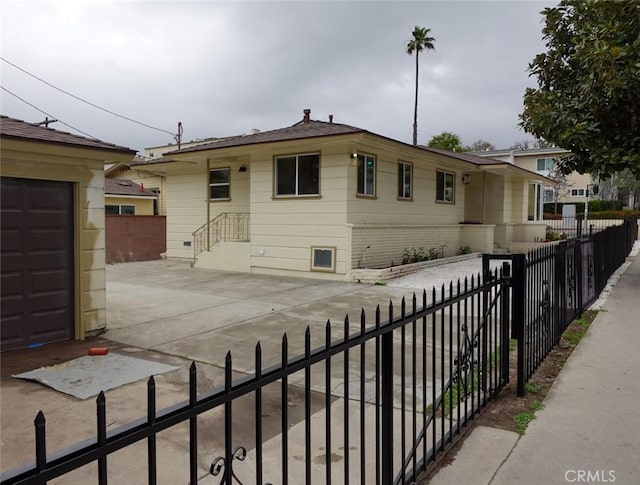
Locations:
(522, 421)
(577, 331)
(536, 406)
(513, 344)
(532, 387)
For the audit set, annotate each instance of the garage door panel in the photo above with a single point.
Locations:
(46, 260)
(55, 279)
(11, 241)
(48, 239)
(11, 284)
(12, 328)
(50, 325)
(37, 264)
(48, 197)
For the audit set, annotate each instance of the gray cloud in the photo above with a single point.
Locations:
(223, 68)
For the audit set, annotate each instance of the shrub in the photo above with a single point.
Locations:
(464, 250)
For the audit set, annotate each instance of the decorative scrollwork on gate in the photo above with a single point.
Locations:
(220, 465)
(465, 363)
(571, 283)
(545, 304)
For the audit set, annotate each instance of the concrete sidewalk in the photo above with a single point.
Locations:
(589, 430)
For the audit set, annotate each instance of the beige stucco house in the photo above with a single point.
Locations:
(53, 241)
(542, 161)
(321, 199)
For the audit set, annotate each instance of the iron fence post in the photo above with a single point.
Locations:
(518, 281)
(504, 322)
(387, 405)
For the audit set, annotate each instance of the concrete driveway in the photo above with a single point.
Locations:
(172, 313)
(199, 314)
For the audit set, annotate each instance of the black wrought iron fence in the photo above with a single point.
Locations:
(395, 396)
(553, 285)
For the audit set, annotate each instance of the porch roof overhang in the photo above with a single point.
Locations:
(508, 169)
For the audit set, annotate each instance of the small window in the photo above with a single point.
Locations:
(219, 183)
(549, 195)
(545, 164)
(445, 187)
(405, 173)
(577, 192)
(120, 210)
(366, 175)
(297, 175)
(323, 259)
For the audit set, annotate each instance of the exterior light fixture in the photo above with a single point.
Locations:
(243, 168)
(465, 178)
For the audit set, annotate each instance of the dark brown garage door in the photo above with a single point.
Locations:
(36, 262)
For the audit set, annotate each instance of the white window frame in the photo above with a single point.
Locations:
(578, 192)
(403, 167)
(363, 158)
(548, 164)
(220, 184)
(452, 177)
(275, 175)
(325, 269)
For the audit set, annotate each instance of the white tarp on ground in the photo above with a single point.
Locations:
(86, 376)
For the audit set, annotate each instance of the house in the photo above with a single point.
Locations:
(134, 171)
(542, 160)
(53, 238)
(320, 199)
(125, 197)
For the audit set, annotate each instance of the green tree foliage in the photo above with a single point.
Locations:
(420, 42)
(447, 141)
(588, 95)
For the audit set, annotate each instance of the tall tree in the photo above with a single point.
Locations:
(481, 146)
(447, 141)
(420, 42)
(587, 97)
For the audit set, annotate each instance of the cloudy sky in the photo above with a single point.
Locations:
(225, 68)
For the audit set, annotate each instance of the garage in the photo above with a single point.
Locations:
(52, 234)
(36, 261)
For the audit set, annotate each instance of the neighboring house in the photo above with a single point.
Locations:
(135, 172)
(542, 161)
(125, 197)
(53, 236)
(320, 199)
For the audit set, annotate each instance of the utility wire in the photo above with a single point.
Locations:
(84, 100)
(45, 113)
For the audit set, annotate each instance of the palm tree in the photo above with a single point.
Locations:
(420, 41)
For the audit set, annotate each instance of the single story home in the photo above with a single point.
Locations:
(321, 199)
(149, 180)
(52, 256)
(125, 197)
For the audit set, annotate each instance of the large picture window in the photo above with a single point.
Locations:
(219, 183)
(405, 173)
(297, 175)
(366, 175)
(445, 187)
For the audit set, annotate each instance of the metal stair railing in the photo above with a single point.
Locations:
(228, 226)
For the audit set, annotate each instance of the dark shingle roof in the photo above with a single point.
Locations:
(124, 187)
(311, 129)
(14, 128)
(466, 157)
